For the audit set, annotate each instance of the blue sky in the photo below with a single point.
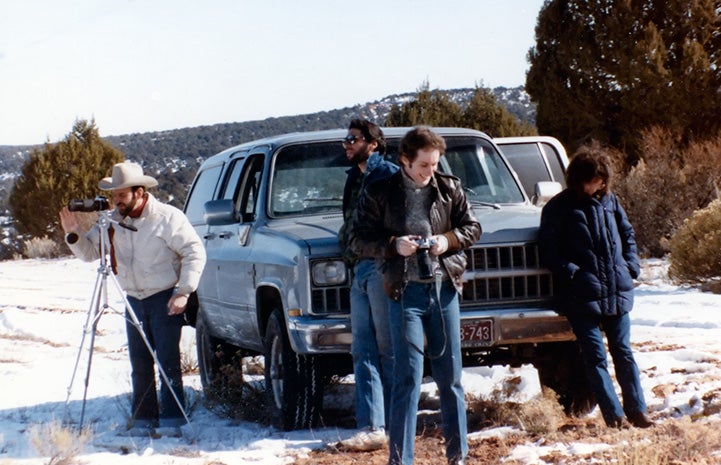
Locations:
(150, 65)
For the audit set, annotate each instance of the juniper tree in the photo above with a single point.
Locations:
(432, 108)
(486, 114)
(436, 108)
(57, 173)
(608, 69)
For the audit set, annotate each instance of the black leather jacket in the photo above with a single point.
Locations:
(381, 218)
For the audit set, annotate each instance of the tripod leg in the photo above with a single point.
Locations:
(102, 297)
(89, 325)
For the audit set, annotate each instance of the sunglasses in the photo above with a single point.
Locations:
(350, 139)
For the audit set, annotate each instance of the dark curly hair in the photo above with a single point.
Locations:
(371, 132)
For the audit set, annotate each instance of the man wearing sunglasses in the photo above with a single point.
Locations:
(371, 347)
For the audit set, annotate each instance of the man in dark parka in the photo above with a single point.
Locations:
(588, 243)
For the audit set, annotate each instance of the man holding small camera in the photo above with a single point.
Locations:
(418, 221)
(158, 259)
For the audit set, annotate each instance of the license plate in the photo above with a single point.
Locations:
(476, 332)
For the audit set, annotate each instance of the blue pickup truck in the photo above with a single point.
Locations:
(275, 285)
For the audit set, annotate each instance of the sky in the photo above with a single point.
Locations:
(140, 66)
(675, 333)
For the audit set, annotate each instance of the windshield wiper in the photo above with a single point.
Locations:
(495, 206)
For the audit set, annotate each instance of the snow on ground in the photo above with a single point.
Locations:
(44, 306)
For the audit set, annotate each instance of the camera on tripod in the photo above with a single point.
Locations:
(97, 204)
(423, 257)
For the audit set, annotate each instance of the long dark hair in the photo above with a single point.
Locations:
(587, 163)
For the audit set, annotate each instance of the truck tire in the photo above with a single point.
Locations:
(560, 367)
(217, 362)
(293, 382)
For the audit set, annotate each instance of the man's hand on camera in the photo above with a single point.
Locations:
(440, 245)
(407, 245)
(177, 304)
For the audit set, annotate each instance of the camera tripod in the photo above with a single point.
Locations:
(98, 306)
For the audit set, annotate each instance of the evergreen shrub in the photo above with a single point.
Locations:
(696, 247)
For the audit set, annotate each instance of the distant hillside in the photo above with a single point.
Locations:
(180, 151)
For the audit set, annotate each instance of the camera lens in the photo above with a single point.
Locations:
(89, 205)
(425, 265)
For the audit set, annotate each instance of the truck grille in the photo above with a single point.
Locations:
(331, 300)
(505, 275)
(495, 276)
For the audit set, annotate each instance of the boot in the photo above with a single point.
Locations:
(640, 420)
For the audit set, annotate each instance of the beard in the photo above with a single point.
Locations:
(125, 210)
(359, 157)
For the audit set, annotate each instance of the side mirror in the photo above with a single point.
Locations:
(218, 212)
(544, 191)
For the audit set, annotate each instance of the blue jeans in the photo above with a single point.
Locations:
(588, 331)
(417, 312)
(371, 348)
(163, 333)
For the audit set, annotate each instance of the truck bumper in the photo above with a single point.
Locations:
(528, 326)
(315, 336)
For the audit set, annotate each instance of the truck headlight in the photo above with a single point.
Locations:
(329, 273)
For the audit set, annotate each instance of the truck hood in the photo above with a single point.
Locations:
(313, 227)
(509, 223)
(318, 233)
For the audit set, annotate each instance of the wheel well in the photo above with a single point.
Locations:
(267, 300)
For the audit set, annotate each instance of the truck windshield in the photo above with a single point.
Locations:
(484, 175)
(308, 179)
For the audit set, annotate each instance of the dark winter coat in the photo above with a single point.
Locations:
(590, 247)
(376, 168)
(381, 217)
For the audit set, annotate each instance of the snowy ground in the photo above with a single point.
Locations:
(43, 307)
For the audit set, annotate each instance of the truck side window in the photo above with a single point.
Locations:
(529, 163)
(231, 186)
(247, 200)
(202, 192)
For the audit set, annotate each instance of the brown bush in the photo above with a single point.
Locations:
(696, 246)
(673, 179)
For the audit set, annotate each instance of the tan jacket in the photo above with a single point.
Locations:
(164, 252)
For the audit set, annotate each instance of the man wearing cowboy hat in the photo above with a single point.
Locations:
(158, 262)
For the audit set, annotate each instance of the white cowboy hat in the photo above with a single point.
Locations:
(127, 174)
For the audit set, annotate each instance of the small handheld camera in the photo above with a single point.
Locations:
(423, 257)
(97, 204)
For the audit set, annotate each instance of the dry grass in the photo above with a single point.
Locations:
(41, 247)
(188, 359)
(31, 338)
(60, 443)
(672, 442)
(541, 420)
(231, 396)
(540, 415)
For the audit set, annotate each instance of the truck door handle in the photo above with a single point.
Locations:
(225, 234)
(208, 236)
